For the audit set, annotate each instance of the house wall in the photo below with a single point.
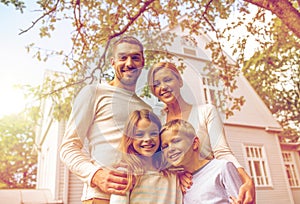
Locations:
(69, 187)
(47, 160)
(75, 189)
(296, 191)
(295, 151)
(238, 136)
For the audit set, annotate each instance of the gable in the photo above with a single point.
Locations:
(254, 112)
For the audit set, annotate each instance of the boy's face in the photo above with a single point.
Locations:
(177, 148)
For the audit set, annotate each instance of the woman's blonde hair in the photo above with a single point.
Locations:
(129, 156)
(162, 65)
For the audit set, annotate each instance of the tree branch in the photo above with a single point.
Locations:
(101, 62)
(284, 10)
(40, 18)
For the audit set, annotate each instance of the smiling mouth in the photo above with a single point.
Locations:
(150, 146)
(166, 94)
(174, 156)
(132, 70)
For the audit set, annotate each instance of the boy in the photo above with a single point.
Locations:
(214, 181)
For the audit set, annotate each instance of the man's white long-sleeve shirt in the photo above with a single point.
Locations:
(98, 116)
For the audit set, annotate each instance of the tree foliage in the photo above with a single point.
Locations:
(18, 161)
(274, 72)
(97, 23)
(19, 5)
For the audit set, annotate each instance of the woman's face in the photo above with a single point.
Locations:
(166, 85)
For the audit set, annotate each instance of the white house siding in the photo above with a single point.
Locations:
(75, 189)
(294, 149)
(238, 136)
(47, 160)
(296, 193)
(296, 190)
(61, 180)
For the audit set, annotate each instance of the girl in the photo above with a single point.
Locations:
(140, 147)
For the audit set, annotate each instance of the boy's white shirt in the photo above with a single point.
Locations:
(214, 183)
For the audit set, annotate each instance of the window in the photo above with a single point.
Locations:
(213, 92)
(189, 51)
(189, 45)
(259, 171)
(290, 167)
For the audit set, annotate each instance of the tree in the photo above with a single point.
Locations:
(284, 10)
(19, 5)
(18, 162)
(97, 23)
(274, 72)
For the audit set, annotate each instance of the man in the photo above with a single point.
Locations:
(98, 115)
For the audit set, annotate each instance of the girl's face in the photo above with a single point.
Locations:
(166, 85)
(146, 138)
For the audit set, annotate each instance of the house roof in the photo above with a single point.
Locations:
(254, 112)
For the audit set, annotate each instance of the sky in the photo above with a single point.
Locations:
(17, 66)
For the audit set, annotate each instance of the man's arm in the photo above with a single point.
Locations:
(111, 181)
(71, 150)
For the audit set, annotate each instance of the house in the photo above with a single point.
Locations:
(252, 133)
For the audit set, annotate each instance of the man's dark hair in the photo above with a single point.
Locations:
(130, 40)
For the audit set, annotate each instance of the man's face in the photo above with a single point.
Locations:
(128, 61)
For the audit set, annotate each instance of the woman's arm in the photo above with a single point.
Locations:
(221, 150)
(247, 190)
(217, 138)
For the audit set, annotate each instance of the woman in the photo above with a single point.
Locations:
(165, 83)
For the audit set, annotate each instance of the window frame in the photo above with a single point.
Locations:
(253, 162)
(293, 171)
(189, 43)
(212, 92)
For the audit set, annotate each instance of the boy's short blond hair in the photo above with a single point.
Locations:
(179, 126)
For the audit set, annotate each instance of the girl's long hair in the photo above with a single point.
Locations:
(130, 157)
